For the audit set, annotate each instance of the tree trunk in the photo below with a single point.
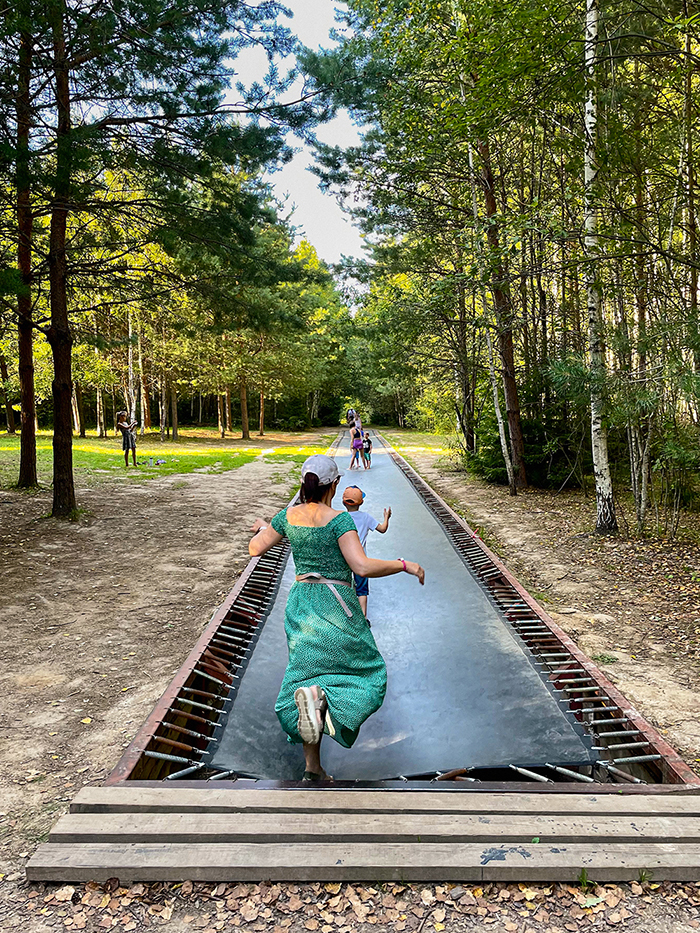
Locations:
(229, 419)
(245, 428)
(499, 417)
(692, 219)
(131, 386)
(173, 407)
(145, 397)
(59, 333)
(80, 408)
(4, 376)
(261, 422)
(25, 220)
(199, 419)
(100, 413)
(503, 312)
(220, 412)
(606, 521)
(163, 408)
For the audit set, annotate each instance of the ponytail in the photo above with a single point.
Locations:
(311, 490)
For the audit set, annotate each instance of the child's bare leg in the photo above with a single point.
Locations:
(363, 604)
(126, 458)
(133, 453)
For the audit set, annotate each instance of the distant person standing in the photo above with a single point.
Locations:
(366, 449)
(350, 417)
(128, 430)
(355, 446)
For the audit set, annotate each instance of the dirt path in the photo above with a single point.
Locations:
(633, 606)
(98, 615)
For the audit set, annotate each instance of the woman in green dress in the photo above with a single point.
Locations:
(335, 676)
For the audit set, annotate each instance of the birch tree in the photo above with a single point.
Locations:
(606, 522)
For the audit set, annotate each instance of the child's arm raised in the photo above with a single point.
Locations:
(382, 526)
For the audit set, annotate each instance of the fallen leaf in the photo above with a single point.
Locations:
(333, 887)
(427, 896)
(64, 894)
(87, 720)
(311, 924)
(439, 915)
(249, 911)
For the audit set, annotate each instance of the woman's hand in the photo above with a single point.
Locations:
(416, 571)
(258, 524)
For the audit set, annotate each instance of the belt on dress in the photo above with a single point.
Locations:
(331, 584)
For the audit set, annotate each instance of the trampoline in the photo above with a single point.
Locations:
(464, 691)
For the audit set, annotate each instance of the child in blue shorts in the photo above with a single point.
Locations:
(352, 500)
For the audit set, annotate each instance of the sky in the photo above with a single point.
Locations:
(318, 215)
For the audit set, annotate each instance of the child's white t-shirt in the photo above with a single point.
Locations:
(364, 524)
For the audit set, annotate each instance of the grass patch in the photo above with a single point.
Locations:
(96, 460)
(605, 658)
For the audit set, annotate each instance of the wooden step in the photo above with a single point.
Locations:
(210, 798)
(363, 862)
(398, 827)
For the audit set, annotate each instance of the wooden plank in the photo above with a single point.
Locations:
(380, 828)
(212, 799)
(362, 862)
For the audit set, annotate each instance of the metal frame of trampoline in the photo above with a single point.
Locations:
(171, 745)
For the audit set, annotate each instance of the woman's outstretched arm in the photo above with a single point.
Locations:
(264, 539)
(365, 566)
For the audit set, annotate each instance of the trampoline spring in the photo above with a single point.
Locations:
(224, 651)
(173, 744)
(610, 748)
(633, 758)
(203, 693)
(216, 680)
(239, 639)
(604, 722)
(602, 699)
(560, 654)
(532, 774)
(161, 756)
(571, 680)
(609, 735)
(221, 775)
(184, 772)
(183, 731)
(180, 712)
(212, 709)
(572, 774)
(623, 774)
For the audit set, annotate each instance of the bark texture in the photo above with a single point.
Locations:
(504, 316)
(4, 376)
(606, 521)
(25, 220)
(59, 333)
(245, 426)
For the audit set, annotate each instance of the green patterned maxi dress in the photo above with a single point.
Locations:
(325, 646)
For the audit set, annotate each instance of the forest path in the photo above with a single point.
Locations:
(98, 614)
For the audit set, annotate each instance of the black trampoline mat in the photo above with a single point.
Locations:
(462, 690)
